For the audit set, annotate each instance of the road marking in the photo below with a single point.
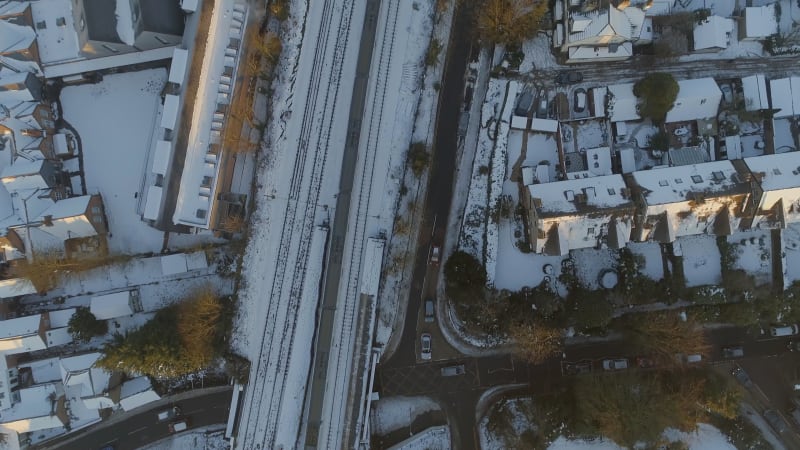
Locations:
(137, 430)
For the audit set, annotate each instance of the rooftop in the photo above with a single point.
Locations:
(581, 195)
(678, 184)
(780, 171)
(697, 99)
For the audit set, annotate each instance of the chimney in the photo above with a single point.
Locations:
(48, 221)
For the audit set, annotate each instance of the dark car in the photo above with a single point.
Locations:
(578, 368)
(742, 377)
(569, 78)
(733, 352)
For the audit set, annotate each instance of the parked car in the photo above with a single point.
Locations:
(429, 310)
(178, 426)
(451, 371)
(742, 377)
(615, 364)
(435, 254)
(775, 420)
(578, 368)
(784, 330)
(579, 104)
(425, 341)
(733, 352)
(569, 78)
(168, 414)
(524, 103)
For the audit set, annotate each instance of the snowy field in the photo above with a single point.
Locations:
(511, 423)
(701, 262)
(196, 439)
(115, 156)
(650, 252)
(393, 413)
(116, 134)
(754, 254)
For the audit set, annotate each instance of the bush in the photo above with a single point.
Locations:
(658, 92)
(418, 158)
(434, 50)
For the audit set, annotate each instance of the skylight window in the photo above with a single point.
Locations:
(678, 181)
(697, 179)
(663, 183)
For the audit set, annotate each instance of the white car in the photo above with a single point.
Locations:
(425, 341)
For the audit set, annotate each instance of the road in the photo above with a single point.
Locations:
(140, 427)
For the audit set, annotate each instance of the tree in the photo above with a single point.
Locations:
(50, 267)
(83, 325)
(658, 141)
(198, 325)
(418, 158)
(509, 21)
(536, 342)
(279, 9)
(434, 50)
(665, 335)
(464, 270)
(658, 92)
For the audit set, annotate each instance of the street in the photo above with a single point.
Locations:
(141, 427)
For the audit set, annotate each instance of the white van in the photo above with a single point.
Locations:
(787, 330)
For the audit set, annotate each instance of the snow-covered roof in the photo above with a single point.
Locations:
(63, 69)
(677, 184)
(68, 207)
(35, 410)
(59, 318)
(80, 371)
(519, 122)
(14, 88)
(152, 205)
(581, 195)
(5, 385)
(137, 392)
(760, 21)
(593, 52)
(23, 175)
(714, 32)
(13, 287)
(598, 161)
(58, 336)
(627, 158)
(161, 157)
(623, 105)
(733, 146)
(785, 94)
(183, 262)
(15, 38)
(754, 89)
(20, 326)
(113, 305)
(67, 219)
(599, 101)
(170, 114)
(776, 172)
(56, 43)
(12, 8)
(544, 125)
(697, 99)
(189, 5)
(177, 69)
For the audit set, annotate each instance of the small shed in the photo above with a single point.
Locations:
(14, 287)
(169, 116)
(177, 69)
(118, 304)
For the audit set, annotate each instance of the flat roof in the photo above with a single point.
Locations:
(152, 205)
(177, 70)
(13, 287)
(20, 326)
(56, 43)
(162, 156)
(785, 97)
(113, 305)
(697, 99)
(674, 184)
(754, 89)
(107, 62)
(561, 196)
(779, 171)
(169, 116)
(622, 103)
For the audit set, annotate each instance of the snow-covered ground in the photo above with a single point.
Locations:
(392, 413)
(754, 254)
(195, 439)
(513, 420)
(653, 266)
(701, 260)
(116, 145)
(590, 263)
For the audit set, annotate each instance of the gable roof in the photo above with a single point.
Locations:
(697, 99)
(754, 90)
(680, 183)
(622, 103)
(760, 21)
(15, 38)
(776, 172)
(573, 196)
(785, 96)
(714, 32)
(68, 207)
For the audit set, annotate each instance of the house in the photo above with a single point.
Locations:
(40, 407)
(118, 304)
(27, 176)
(622, 105)
(785, 93)
(754, 90)
(760, 22)
(24, 334)
(602, 32)
(713, 34)
(20, 87)
(9, 381)
(85, 381)
(698, 98)
(15, 287)
(73, 218)
(17, 37)
(706, 198)
(137, 392)
(579, 213)
(777, 178)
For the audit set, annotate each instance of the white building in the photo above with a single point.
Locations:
(137, 392)
(85, 381)
(607, 33)
(697, 99)
(622, 104)
(754, 90)
(581, 213)
(688, 200)
(785, 94)
(778, 177)
(760, 22)
(118, 304)
(713, 34)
